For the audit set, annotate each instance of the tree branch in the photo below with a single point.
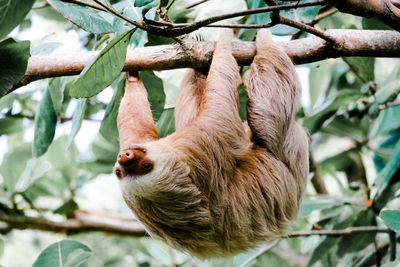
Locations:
(306, 50)
(85, 221)
(382, 9)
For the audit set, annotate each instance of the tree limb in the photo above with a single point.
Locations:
(163, 57)
(382, 9)
(85, 221)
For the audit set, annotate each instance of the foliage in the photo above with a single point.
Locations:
(57, 152)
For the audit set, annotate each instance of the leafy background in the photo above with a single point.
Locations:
(57, 152)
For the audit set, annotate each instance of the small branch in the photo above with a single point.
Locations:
(347, 231)
(388, 105)
(307, 28)
(170, 32)
(81, 3)
(322, 15)
(196, 4)
(392, 238)
(259, 253)
(316, 180)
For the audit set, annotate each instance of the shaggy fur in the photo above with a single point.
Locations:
(214, 189)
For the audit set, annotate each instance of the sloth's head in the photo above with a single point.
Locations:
(148, 169)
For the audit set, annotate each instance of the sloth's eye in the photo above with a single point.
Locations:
(118, 173)
(147, 166)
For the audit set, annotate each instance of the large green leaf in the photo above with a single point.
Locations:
(45, 125)
(166, 124)
(358, 241)
(34, 169)
(362, 66)
(66, 253)
(329, 108)
(9, 125)
(12, 13)
(13, 165)
(103, 69)
(387, 120)
(391, 218)
(156, 95)
(84, 17)
(385, 175)
(309, 205)
(56, 88)
(272, 259)
(320, 77)
(108, 127)
(77, 118)
(13, 62)
(305, 14)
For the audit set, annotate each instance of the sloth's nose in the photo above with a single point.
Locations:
(126, 157)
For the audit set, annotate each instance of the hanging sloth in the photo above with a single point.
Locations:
(217, 186)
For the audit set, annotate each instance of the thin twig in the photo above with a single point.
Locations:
(347, 231)
(259, 253)
(196, 4)
(388, 105)
(82, 3)
(169, 32)
(307, 28)
(322, 16)
(392, 238)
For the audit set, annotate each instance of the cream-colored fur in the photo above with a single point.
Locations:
(214, 190)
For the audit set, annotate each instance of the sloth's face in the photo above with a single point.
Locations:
(146, 169)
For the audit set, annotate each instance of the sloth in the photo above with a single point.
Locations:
(217, 186)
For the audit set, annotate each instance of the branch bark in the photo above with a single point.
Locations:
(85, 221)
(382, 9)
(348, 43)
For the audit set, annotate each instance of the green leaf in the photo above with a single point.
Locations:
(67, 207)
(322, 249)
(108, 127)
(45, 49)
(391, 218)
(156, 95)
(385, 175)
(66, 253)
(56, 88)
(103, 69)
(77, 118)
(272, 259)
(13, 62)
(315, 121)
(140, 3)
(45, 125)
(12, 13)
(358, 241)
(33, 170)
(166, 124)
(13, 165)
(392, 264)
(363, 66)
(10, 125)
(82, 16)
(309, 205)
(388, 120)
(319, 77)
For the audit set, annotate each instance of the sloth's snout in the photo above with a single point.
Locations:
(126, 157)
